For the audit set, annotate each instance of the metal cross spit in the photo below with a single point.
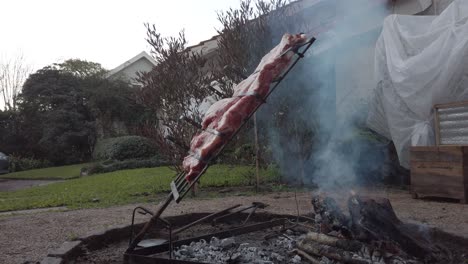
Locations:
(180, 186)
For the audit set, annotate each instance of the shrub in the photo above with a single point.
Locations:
(245, 154)
(22, 164)
(126, 147)
(109, 166)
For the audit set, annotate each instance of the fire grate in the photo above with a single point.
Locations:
(143, 255)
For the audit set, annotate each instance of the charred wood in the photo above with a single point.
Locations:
(330, 252)
(376, 218)
(373, 222)
(309, 258)
(330, 216)
(346, 244)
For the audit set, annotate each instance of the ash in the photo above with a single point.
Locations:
(274, 248)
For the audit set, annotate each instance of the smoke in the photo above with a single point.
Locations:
(317, 133)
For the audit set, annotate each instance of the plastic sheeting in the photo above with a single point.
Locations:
(419, 61)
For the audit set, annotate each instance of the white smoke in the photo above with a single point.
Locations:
(331, 86)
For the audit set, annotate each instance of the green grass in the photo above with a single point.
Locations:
(118, 188)
(64, 172)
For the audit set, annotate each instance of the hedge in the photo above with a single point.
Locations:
(109, 166)
(123, 148)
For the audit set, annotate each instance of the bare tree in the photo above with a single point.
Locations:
(247, 34)
(13, 73)
(178, 84)
(174, 89)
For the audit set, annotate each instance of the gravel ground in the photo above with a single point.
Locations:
(29, 237)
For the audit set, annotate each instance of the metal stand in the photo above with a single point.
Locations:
(180, 187)
(145, 211)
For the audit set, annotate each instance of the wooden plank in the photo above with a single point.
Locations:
(422, 191)
(437, 156)
(440, 171)
(465, 175)
(452, 171)
(437, 126)
(423, 148)
(452, 148)
(422, 164)
(451, 105)
(429, 189)
(437, 182)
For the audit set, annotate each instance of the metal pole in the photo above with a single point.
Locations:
(204, 218)
(150, 223)
(257, 153)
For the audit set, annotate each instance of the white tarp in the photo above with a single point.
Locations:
(405, 7)
(419, 61)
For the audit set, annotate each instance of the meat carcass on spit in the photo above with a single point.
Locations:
(226, 116)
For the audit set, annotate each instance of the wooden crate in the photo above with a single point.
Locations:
(440, 171)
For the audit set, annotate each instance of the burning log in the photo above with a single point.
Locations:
(377, 219)
(330, 252)
(309, 258)
(346, 244)
(330, 216)
(371, 221)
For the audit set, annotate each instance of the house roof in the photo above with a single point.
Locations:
(124, 65)
(205, 46)
(399, 7)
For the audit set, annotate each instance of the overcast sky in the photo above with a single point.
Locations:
(107, 32)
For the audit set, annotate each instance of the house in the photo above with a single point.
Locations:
(346, 34)
(128, 71)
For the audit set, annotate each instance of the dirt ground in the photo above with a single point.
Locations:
(29, 237)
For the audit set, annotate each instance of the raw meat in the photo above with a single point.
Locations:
(233, 118)
(216, 110)
(226, 116)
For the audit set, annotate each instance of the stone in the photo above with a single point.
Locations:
(227, 243)
(296, 259)
(183, 252)
(67, 249)
(252, 249)
(243, 245)
(52, 260)
(215, 242)
(235, 257)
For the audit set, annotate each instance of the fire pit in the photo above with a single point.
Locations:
(370, 234)
(265, 238)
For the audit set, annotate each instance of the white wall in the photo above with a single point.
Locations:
(129, 73)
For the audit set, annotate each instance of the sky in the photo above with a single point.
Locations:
(107, 32)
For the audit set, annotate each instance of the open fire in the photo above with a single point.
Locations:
(369, 233)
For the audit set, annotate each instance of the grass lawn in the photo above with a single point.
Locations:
(118, 188)
(64, 172)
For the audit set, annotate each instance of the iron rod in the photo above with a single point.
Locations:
(150, 223)
(204, 219)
